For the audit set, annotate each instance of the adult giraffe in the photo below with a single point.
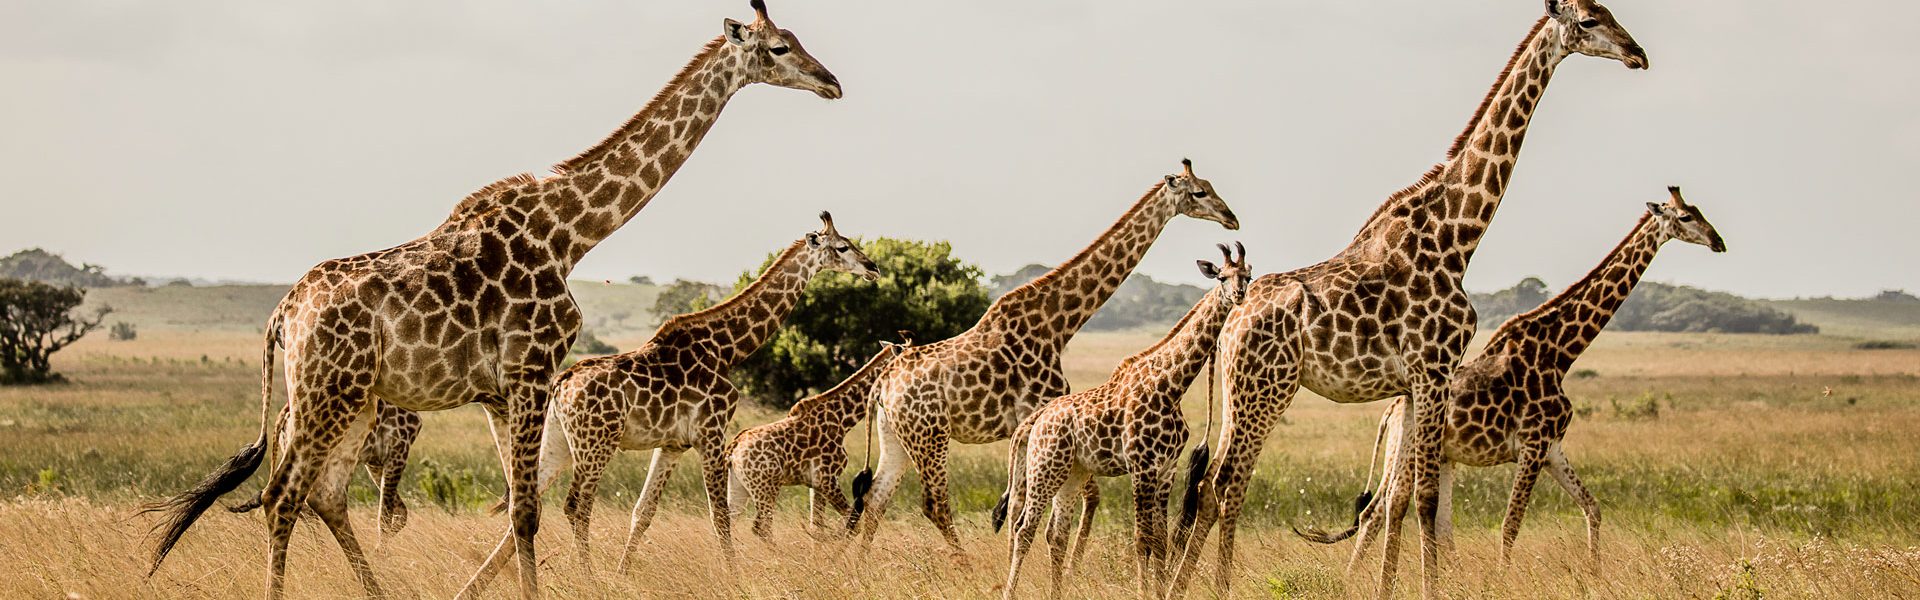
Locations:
(1507, 404)
(477, 310)
(1386, 316)
(974, 388)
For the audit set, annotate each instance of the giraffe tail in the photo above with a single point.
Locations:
(1011, 499)
(1362, 501)
(1198, 462)
(179, 512)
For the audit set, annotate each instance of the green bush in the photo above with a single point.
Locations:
(841, 319)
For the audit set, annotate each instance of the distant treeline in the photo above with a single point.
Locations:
(34, 264)
(1654, 307)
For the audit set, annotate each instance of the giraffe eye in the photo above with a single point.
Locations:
(843, 249)
(781, 51)
(1686, 218)
(1590, 23)
(1200, 194)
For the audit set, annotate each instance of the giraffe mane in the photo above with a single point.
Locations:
(699, 61)
(1511, 327)
(688, 319)
(1459, 141)
(475, 204)
(1055, 273)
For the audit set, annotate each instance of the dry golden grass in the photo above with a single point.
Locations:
(1744, 476)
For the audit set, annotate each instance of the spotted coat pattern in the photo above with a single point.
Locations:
(975, 387)
(1507, 405)
(475, 311)
(1131, 426)
(672, 393)
(1386, 316)
(806, 448)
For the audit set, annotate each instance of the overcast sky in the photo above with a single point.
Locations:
(250, 140)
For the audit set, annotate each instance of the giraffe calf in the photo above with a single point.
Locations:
(1130, 425)
(806, 448)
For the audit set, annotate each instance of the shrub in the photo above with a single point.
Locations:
(591, 345)
(122, 332)
(841, 319)
(682, 297)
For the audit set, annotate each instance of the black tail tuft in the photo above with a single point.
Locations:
(1000, 511)
(1360, 503)
(1196, 472)
(1321, 536)
(182, 510)
(862, 483)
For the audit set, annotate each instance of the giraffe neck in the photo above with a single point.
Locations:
(739, 325)
(1567, 323)
(591, 195)
(1452, 205)
(1176, 359)
(838, 409)
(1054, 306)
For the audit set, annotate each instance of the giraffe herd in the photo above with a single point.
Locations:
(478, 311)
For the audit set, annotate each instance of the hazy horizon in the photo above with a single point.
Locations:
(249, 142)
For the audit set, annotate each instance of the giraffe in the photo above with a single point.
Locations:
(475, 311)
(1131, 425)
(805, 448)
(672, 393)
(1386, 316)
(975, 387)
(1508, 405)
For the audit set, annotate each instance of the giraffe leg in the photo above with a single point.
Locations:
(329, 496)
(1532, 458)
(1426, 412)
(1150, 531)
(657, 474)
(888, 470)
(824, 491)
(1089, 504)
(1045, 475)
(1252, 408)
(713, 469)
(394, 451)
(517, 425)
(1563, 472)
(323, 419)
(930, 459)
(1373, 518)
(764, 496)
(1060, 530)
(590, 452)
(1399, 497)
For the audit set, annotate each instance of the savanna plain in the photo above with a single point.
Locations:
(1726, 466)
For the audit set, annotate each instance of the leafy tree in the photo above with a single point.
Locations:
(841, 319)
(640, 280)
(682, 297)
(1496, 307)
(1138, 302)
(37, 320)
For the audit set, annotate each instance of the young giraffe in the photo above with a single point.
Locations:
(1508, 406)
(1131, 425)
(975, 387)
(805, 448)
(477, 310)
(672, 393)
(1386, 316)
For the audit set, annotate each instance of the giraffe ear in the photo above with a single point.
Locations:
(1173, 181)
(1208, 269)
(1656, 208)
(736, 32)
(1553, 7)
(813, 239)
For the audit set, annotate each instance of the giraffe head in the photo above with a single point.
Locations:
(1234, 277)
(1196, 198)
(769, 54)
(834, 252)
(1588, 28)
(1681, 221)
